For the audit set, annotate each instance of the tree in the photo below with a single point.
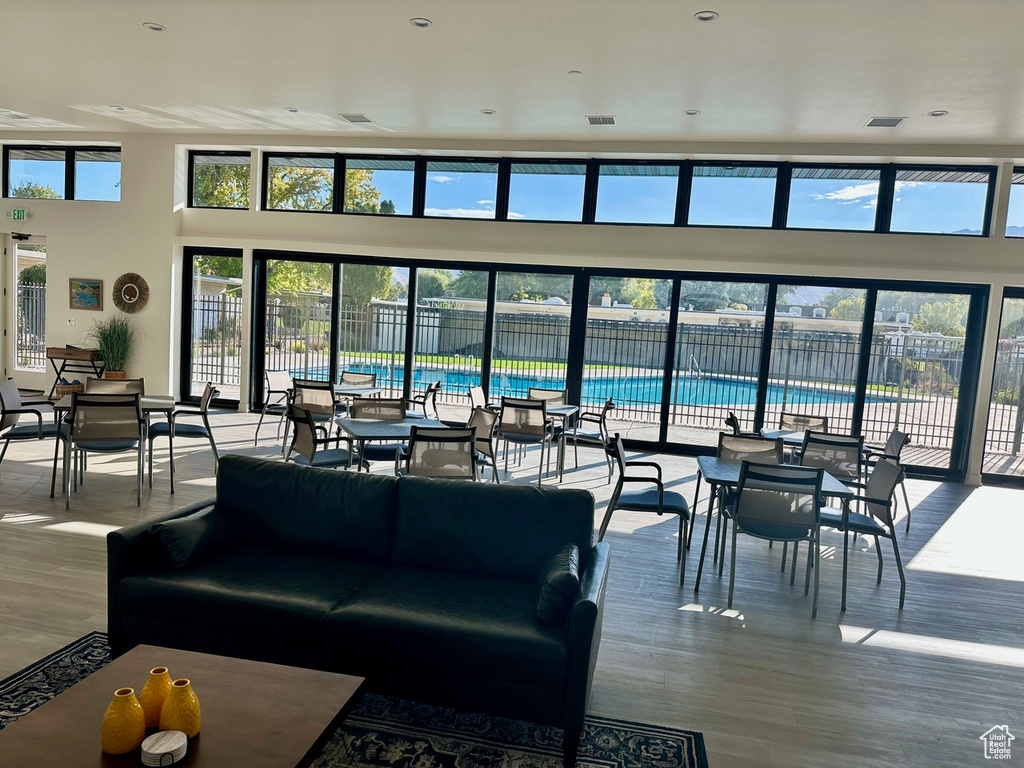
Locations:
(948, 317)
(848, 309)
(704, 296)
(469, 285)
(433, 283)
(639, 291)
(362, 282)
(387, 207)
(34, 275)
(220, 186)
(38, 191)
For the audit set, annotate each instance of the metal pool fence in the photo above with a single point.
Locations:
(30, 338)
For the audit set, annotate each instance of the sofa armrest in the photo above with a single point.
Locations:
(131, 550)
(583, 635)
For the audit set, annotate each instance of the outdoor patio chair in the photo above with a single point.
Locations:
(485, 421)
(652, 499)
(23, 419)
(277, 393)
(596, 437)
(525, 422)
(426, 403)
(878, 501)
(551, 396)
(477, 398)
(448, 452)
(98, 423)
(306, 444)
(178, 429)
(96, 386)
(801, 422)
(317, 397)
(779, 502)
(841, 456)
(358, 379)
(383, 409)
(892, 450)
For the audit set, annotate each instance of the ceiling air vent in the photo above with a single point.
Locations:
(884, 122)
(355, 117)
(601, 119)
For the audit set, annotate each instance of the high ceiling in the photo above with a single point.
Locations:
(789, 71)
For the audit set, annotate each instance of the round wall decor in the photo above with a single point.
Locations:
(130, 292)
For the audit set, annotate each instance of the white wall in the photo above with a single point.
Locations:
(146, 231)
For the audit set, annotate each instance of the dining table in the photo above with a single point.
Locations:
(363, 431)
(725, 473)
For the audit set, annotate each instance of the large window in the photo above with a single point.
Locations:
(300, 182)
(546, 191)
(379, 185)
(300, 299)
(220, 180)
(637, 193)
(73, 173)
(833, 198)
(732, 196)
(97, 175)
(949, 202)
(38, 173)
(371, 323)
(1004, 439)
(461, 190)
(1015, 213)
(215, 323)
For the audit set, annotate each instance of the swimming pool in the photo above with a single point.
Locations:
(688, 389)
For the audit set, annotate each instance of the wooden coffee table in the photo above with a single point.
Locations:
(254, 714)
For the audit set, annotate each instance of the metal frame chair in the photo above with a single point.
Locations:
(477, 397)
(174, 429)
(802, 422)
(485, 421)
(383, 409)
(893, 449)
(525, 422)
(358, 379)
(656, 499)
(447, 452)
(780, 502)
(551, 396)
(593, 437)
(307, 445)
(842, 456)
(13, 407)
(317, 397)
(427, 403)
(95, 386)
(275, 399)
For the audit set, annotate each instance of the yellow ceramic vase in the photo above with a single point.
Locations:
(153, 695)
(124, 724)
(180, 711)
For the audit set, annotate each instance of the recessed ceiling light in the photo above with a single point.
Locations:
(575, 72)
(705, 15)
(154, 26)
(692, 112)
(117, 107)
(938, 113)
(291, 109)
(488, 111)
(420, 22)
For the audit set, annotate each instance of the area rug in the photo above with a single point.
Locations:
(384, 732)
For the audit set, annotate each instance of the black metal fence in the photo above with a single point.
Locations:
(30, 337)
(1006, 411)
(216, 342)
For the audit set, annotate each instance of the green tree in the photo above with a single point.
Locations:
(362, 282)
(948, 317)
(387, 207)
(220, 186)
(469, 285)
(433, 283)
(38, 191)
(34, 275)
(848, 309)
(639, 291)
(704, 296)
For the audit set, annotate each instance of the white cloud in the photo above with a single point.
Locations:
(441, 179)
(904, 184)
(851, 193)
(514, 215)
(460, 213)
(485, 202)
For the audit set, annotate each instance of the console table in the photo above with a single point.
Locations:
(73, 360)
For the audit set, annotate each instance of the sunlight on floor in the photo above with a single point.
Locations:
(728, 613)
(84, 528)
(1001, 655)
(981, 538)
(22, 518)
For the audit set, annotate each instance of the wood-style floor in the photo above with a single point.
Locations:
(766, 684)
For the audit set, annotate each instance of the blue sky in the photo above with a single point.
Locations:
(93, 180)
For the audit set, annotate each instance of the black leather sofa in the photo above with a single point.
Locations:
(428, 588)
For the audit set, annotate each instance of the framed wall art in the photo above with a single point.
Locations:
(85, 294)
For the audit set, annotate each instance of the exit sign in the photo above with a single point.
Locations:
(18, 214)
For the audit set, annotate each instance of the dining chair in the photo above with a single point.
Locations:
(801, 422)
(277, 392)
(597, 436)
(477, 398)
(446, 452)
(95, 386)
(22, 419)
(426, 403)
(552, 396)
(99, 423)
(878, 500)
(654, 499)
(310, 449)
(381, 409)
(485, 421)
(892, 450)
(358, 379)
(842, 456)
(779, 502)
(317, 397)
(523, 422)
(174, 428)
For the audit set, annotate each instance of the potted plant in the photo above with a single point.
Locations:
(114, 337)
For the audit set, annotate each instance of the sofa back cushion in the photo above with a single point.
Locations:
(329, 512)
(505, 531)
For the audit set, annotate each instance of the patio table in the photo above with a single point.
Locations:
(366, 430)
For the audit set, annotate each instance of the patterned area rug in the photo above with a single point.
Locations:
(393, 733)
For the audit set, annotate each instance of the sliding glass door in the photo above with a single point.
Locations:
(1004, 438)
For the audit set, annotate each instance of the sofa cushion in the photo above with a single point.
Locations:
(190, 539)
(504, 531)
(450, 625)
(249, 588)
(344, 514)
(559, 585)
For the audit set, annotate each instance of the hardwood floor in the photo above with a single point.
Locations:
(766, 684)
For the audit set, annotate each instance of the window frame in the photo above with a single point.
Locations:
(336, 190)
(989, 197)
(344, 174)
(882, 207)
(69, 151)
(505, 191)
(726, 163)
(190, 192)
(500, 186)
(682, 190)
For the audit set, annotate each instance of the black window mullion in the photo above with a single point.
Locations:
(7, 170)
(576, 358)
(69, 174)
(485, 358)
(986, 229)
(864, 360)
(886, 197)
(410, 334)
(502, 192)
(783, 179)
(766, 355)
(683, 193)
(419, 187)
(338, 187)
(590, 191)
(185, 353)
(335, 334)
(259, 331)
(970, 366)
(265, 186)
(671, 335)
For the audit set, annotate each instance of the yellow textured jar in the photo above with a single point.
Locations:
(153, 694)
(180, 711)
(124, 724)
